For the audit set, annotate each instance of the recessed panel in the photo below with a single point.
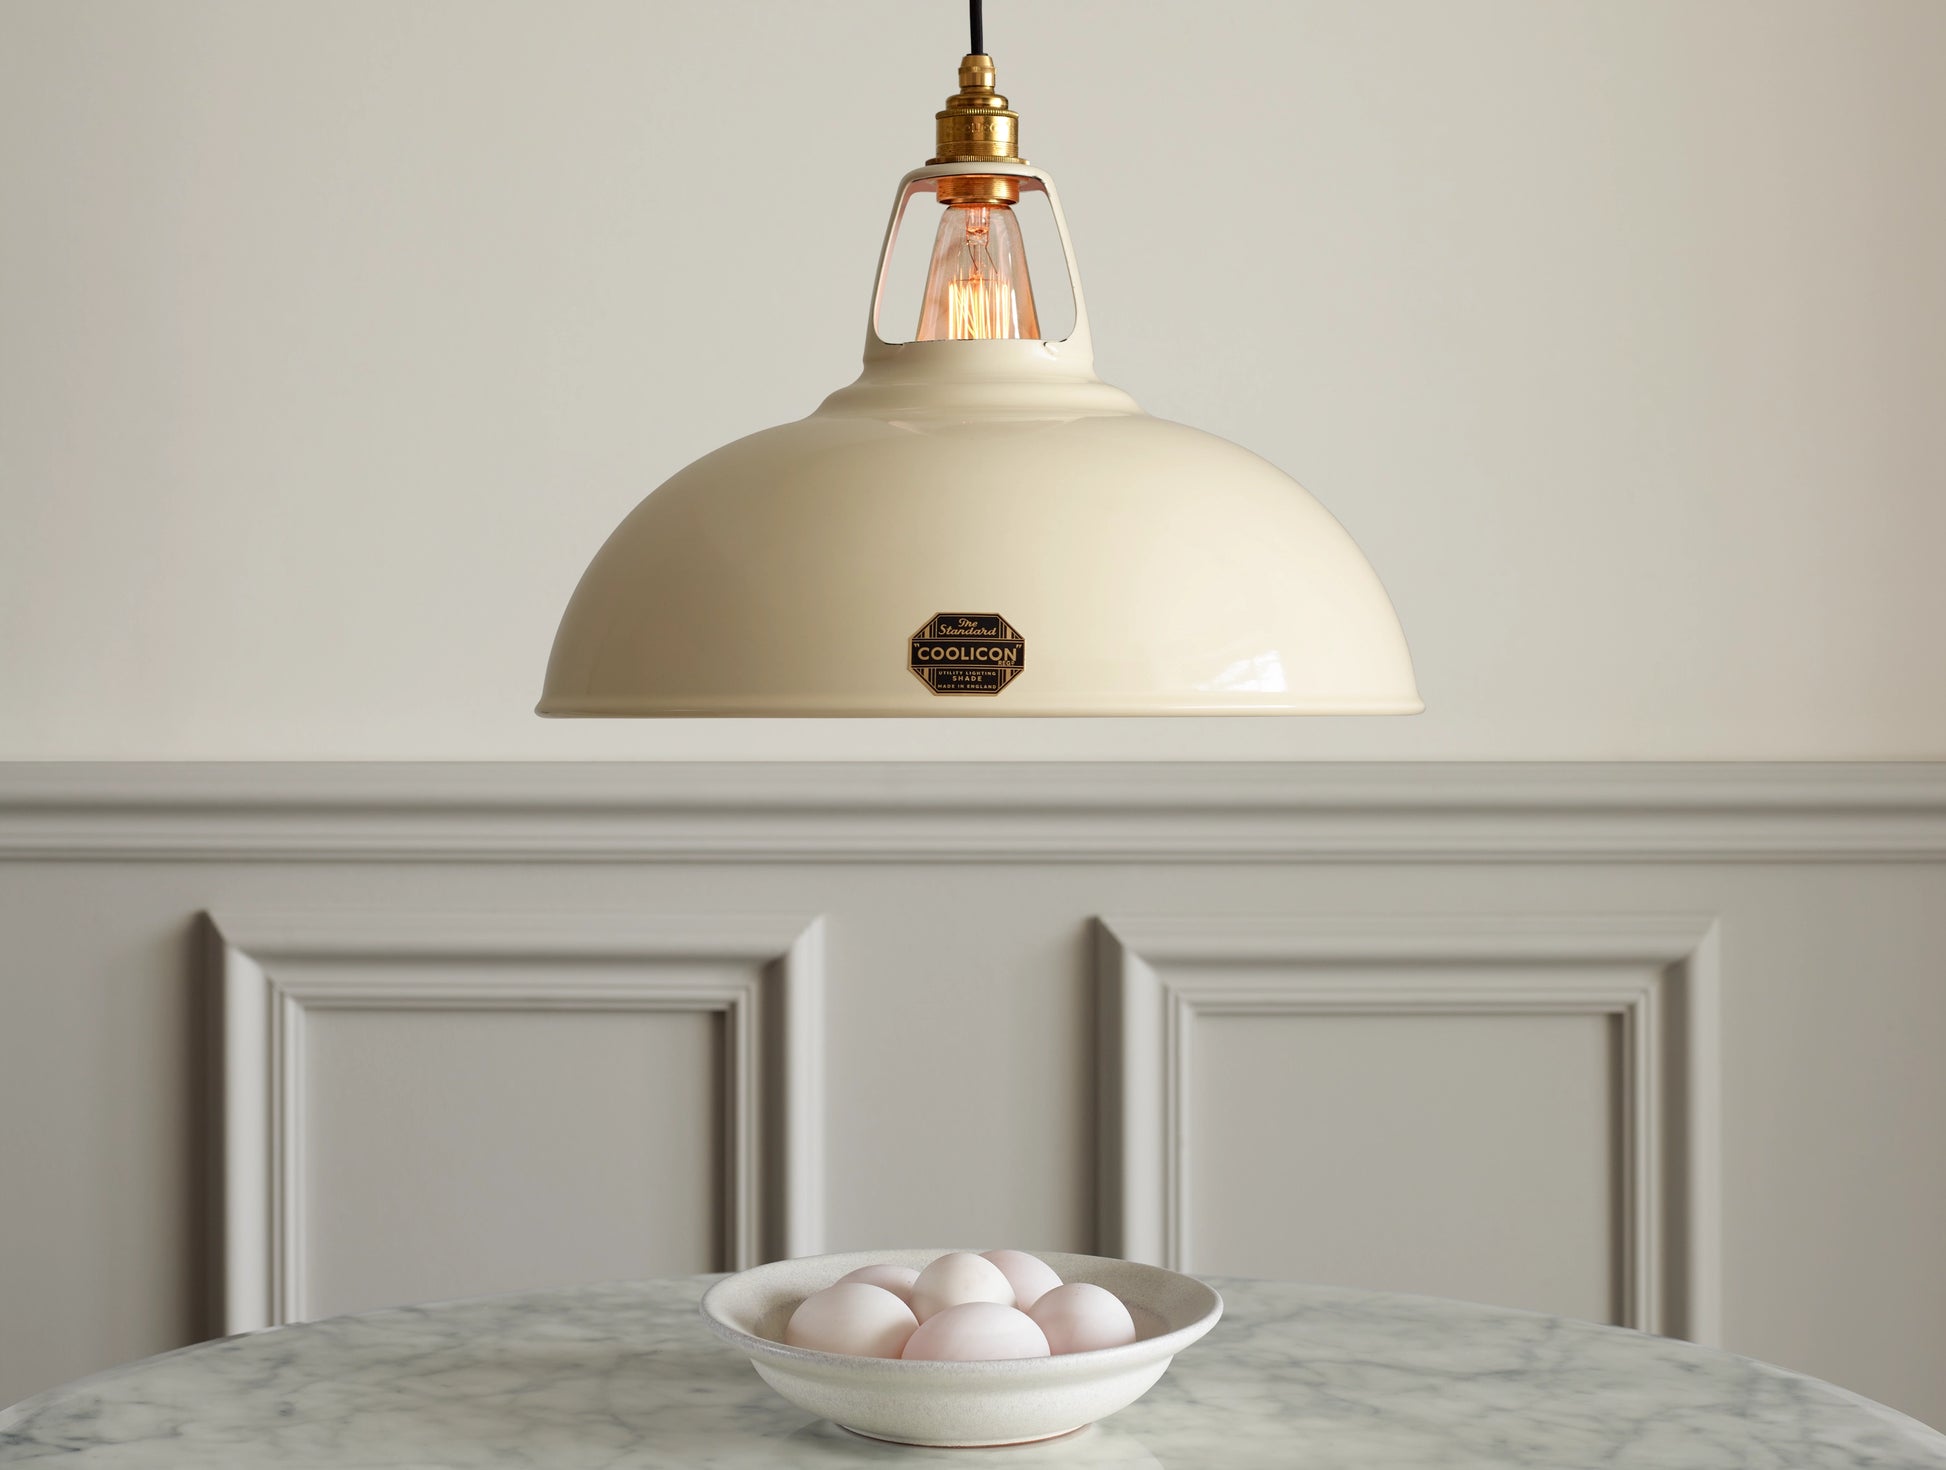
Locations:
(462, 1152)
(1469, 1155)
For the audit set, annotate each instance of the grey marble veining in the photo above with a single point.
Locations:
(626, 1375)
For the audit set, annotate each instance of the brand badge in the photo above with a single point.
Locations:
(967, 653)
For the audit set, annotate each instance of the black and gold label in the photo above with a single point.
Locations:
(967, 653)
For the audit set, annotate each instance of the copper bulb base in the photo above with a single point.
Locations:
(978, 189)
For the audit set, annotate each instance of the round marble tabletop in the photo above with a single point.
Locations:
(626, 1375)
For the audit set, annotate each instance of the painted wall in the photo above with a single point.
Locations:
(335, 337)
(1650, 1045)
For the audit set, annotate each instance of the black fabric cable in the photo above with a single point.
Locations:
(979, 30)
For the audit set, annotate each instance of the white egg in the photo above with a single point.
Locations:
(957, 1278)
(852, 1317)
(1080, 1317)
(895, 1279)
(975, 1332)
(1030, 1276)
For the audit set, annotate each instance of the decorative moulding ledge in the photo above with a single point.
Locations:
(1001, 812)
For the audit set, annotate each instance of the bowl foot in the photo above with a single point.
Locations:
(963, 1444)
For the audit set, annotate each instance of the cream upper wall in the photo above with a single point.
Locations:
(335, 336)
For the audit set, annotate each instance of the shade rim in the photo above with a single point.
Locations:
(720, 707)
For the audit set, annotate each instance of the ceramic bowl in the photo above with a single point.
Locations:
(1007, 1402)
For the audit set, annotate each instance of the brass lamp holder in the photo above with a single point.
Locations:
(977, 126)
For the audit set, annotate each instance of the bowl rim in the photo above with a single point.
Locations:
(1144, 1350)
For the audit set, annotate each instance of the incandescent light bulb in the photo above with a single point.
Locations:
(977, 286)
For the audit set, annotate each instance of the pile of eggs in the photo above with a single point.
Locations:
(962, 1308)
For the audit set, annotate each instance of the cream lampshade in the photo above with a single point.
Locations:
(979, 526)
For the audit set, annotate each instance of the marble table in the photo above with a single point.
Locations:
(625, 1375)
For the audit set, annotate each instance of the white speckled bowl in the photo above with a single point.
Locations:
(1007, 1402)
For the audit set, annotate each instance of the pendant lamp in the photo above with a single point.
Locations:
(979, 525)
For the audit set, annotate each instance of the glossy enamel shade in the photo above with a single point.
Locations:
(1132, 566)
